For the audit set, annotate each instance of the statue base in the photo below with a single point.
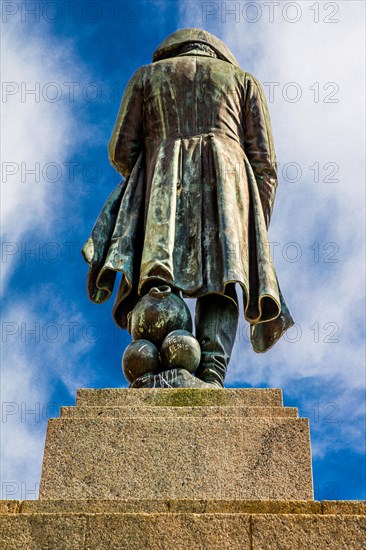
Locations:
(178, 444)
(179, 468)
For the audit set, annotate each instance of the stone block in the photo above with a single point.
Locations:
(42, 532)
(169, 531)
(305, 532)
(124, 411)
(177, 457)
(352, 507)
(179, 397)
(9, 506)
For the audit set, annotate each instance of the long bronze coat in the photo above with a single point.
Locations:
(193, 140)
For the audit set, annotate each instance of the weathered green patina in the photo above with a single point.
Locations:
(194, 143)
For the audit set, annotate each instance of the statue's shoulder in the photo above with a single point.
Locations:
(140, 72)
(253, 84)
(136, 81)
(250, 78)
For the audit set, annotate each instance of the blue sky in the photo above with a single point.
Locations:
(309, 58)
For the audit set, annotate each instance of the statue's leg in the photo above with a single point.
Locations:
(216, 324)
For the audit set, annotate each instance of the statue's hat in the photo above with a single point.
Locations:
(172, 44)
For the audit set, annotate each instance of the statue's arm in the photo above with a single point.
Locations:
(127, 137)
(259, 146)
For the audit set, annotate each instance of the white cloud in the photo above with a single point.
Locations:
(35, 131)
(38, 130)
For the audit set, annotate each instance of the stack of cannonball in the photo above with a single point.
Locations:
(161, 329)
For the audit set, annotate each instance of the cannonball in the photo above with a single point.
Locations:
(157, 314)
(180, 349)
(139, 358)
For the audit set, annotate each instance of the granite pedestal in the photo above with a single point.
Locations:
(178, 443)
(175, 469)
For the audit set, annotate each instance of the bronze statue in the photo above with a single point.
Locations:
(194, 144)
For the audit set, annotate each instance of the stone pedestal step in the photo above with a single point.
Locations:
(177, 457)
(197, 525)
(193, 506)
(168, 412)
(114, 397)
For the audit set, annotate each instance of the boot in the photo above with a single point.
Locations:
(216, 323)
